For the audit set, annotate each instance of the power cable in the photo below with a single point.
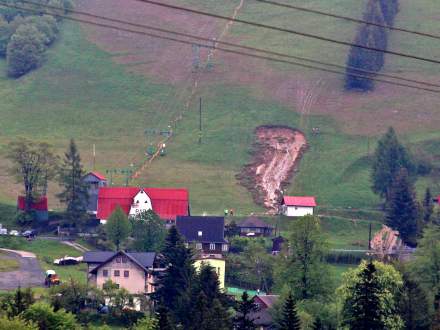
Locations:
(182, 34)
(280, 29)
(218, 48)
(347, 18)
(355, 70)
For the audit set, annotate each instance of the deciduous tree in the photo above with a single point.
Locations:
(369, 296)
(148, 232)
(25, 50)
(117, 227)
(33, 165)
(303, 267)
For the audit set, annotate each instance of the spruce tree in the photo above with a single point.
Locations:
(75, 193)
(401, 212)
(290, 320)
(363, 311)
(390, 156)
(428, 207)
(174, 285)
(244, 308)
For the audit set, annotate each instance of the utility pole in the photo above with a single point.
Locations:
(200, 121)
(94, 156)
(369, 238)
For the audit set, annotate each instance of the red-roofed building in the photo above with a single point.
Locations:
(39, 206)
(298, 206)
(167, 203)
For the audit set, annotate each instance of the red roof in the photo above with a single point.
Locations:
(308, 201)
(38, 205)
(98, 175)
(168, 203)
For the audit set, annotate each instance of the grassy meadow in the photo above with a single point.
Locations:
(80, 92)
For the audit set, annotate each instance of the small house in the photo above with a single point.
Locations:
(94, 182)
(262, 317)
(298, 206)
(253, 226)
(167, 203)
(135, 272)
(205, 234)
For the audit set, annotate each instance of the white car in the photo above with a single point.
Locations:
(14, 233)
(3, 231)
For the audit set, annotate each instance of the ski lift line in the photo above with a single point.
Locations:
(354, 69)
(347, 18)
(280, 29)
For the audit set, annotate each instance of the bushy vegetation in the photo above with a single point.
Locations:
(26, 34)
(380, 12)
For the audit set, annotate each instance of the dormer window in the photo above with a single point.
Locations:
(200, 233)
(137, 202)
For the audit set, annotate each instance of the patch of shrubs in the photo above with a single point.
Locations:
(24, 38)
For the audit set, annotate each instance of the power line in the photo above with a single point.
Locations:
(222, 49)
(356, 70)
(347, 18)
(276, 28)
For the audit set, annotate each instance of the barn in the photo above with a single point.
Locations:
(298, 206)
(167, 203)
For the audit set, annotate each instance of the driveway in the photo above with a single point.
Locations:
(29, 275)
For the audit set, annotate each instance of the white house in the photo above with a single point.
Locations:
(298, 206)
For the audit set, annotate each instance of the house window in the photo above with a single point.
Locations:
(118, 260)
(224, 247)
(117, 273)
(105, 272)
(124, 260)
(126, 273)
(218, 271)
(200, 233)
(212, 246)
(199, 246)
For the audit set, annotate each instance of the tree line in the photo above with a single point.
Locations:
(394, 172)
(26, 35)
(382, 12)
(34, 164)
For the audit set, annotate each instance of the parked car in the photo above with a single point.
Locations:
(3, 231)
(29, 233)
(14, 233)
(68, 261)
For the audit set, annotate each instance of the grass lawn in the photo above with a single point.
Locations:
(81, 93)
(338, 270)
(47, 251)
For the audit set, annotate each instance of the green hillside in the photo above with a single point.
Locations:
(81, 92)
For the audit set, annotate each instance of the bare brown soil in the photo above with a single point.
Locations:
(277, 152)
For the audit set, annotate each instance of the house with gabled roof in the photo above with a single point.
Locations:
(205, 234)
(167, 203)
(134, 271)
(298, 206)
(262, 317)
(94, 181)
(253, 227)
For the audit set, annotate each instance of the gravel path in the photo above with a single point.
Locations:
(29, 275)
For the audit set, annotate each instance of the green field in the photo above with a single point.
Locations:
(81, 92)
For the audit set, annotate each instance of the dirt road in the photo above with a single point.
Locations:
(29, 275)
(277, 153)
